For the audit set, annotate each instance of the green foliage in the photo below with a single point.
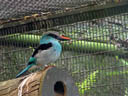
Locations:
(88, 70)
(115, 73)
(87, 83)
(122, 62)
(126, 92)
(91, 46)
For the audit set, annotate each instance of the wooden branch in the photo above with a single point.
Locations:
(48, 82)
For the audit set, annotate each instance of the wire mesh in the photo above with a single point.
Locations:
(96, 57)
(18, 8)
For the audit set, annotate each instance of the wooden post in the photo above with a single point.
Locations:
(48, 82)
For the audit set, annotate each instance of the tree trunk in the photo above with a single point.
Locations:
(48, 82)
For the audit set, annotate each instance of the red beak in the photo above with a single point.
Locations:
(64, 38)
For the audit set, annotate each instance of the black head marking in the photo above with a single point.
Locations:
(53, 34)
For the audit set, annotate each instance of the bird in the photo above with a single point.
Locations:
(47, 52)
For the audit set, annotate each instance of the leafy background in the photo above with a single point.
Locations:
(95, 74)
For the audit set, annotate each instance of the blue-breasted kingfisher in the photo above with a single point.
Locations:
(47, 52)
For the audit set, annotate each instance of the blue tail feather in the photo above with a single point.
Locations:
(23, 71)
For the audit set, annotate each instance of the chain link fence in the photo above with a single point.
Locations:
(96, 57)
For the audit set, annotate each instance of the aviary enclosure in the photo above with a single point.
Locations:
(96, 57)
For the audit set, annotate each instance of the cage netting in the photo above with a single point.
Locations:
(96, 57)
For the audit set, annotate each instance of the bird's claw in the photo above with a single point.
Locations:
(48, 66)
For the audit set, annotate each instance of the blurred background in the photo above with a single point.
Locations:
(97, 55)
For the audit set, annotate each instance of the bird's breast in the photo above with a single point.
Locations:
(56, 51)
(50, 55)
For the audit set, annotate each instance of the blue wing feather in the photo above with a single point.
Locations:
(32, 61)
(23, 71)
(45, 45)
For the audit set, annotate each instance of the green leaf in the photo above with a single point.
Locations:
(87, 83)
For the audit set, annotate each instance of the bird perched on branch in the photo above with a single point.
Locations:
(47, 52)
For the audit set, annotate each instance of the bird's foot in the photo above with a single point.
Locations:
(48, 66)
